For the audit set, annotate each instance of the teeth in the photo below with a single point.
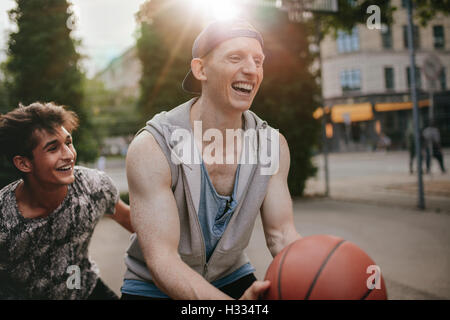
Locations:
(243, 85)
(64, 168)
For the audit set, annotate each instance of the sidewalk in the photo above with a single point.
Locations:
(381, 178)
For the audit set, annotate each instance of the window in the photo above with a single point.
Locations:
(386, 37)
(405, 3)
(416, 40)
(438, 35)
(418, 78)
(389, 78)
(348, 42)
(350, 80)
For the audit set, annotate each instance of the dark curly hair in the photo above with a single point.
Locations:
(18, 127)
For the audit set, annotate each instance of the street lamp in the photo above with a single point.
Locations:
(412, 70)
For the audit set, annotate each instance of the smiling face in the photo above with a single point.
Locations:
(233, 72)
(54, 158)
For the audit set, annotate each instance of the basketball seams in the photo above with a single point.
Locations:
(281, 268)
(366, 294)
(308, 294)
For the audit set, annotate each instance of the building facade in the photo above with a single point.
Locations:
(123, 73)
(366, 82)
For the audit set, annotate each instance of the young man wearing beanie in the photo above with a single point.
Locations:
(193, 209)
(47, 218)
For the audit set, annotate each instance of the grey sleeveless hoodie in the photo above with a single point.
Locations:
(229, 254)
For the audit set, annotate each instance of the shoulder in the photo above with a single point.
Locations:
(92, 179)
(8, 203)
(88, 175)
(7, 190)
(144, 148)
(146, 162)
(284, 146)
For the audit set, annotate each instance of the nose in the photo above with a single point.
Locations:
(250, 66)
(68, 153)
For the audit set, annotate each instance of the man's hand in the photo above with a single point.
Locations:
(255, 291)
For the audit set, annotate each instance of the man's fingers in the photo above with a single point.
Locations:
(256, 290)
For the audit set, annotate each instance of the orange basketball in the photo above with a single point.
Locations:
(324, 267)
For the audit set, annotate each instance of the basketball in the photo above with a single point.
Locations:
(324, 267)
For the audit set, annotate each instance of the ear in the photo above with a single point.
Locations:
(198, 69)
(23, 164)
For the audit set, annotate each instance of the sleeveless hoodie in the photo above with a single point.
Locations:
(229, 254)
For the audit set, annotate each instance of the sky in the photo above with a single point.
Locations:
(106, 29)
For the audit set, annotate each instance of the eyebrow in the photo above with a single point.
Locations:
(54, 141)
(238, 51)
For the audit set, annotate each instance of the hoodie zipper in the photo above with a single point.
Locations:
(238, 207)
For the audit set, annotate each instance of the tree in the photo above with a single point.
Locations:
(287, 97)
(43, 64)
(164, 49)
(6, 170)
(289, 92)
(428, 9)
(3, 98)
(352, 12)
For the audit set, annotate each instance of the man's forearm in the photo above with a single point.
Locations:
(176, 279)
(122, 215)
(276, 244)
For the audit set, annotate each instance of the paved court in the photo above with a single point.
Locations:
(412, 248)
(373, 204)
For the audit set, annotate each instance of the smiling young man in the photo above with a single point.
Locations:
(47, 218)
(193, 220)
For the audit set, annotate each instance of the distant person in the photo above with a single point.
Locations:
(48, 216)
(411, 144)
(194, 220)
(432, 139)
(101, 163)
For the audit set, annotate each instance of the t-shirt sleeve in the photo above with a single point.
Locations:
(101, 190)
(110, 191)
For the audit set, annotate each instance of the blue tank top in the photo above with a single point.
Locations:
(215, 211)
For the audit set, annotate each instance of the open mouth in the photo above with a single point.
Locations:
(65, 168)
(242, 87)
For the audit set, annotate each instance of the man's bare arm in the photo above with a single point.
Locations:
(122, 215)
(154, 216)
(277, 211)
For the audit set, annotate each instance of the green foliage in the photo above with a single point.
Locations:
(287, 95)
(428, 9)
(355, 12)
(125, 197)
(43, 65)
(3, 98)
(164, 48)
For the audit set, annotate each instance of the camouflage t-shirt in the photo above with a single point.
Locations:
(40, 257)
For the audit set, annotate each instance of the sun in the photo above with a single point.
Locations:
(217, 9)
